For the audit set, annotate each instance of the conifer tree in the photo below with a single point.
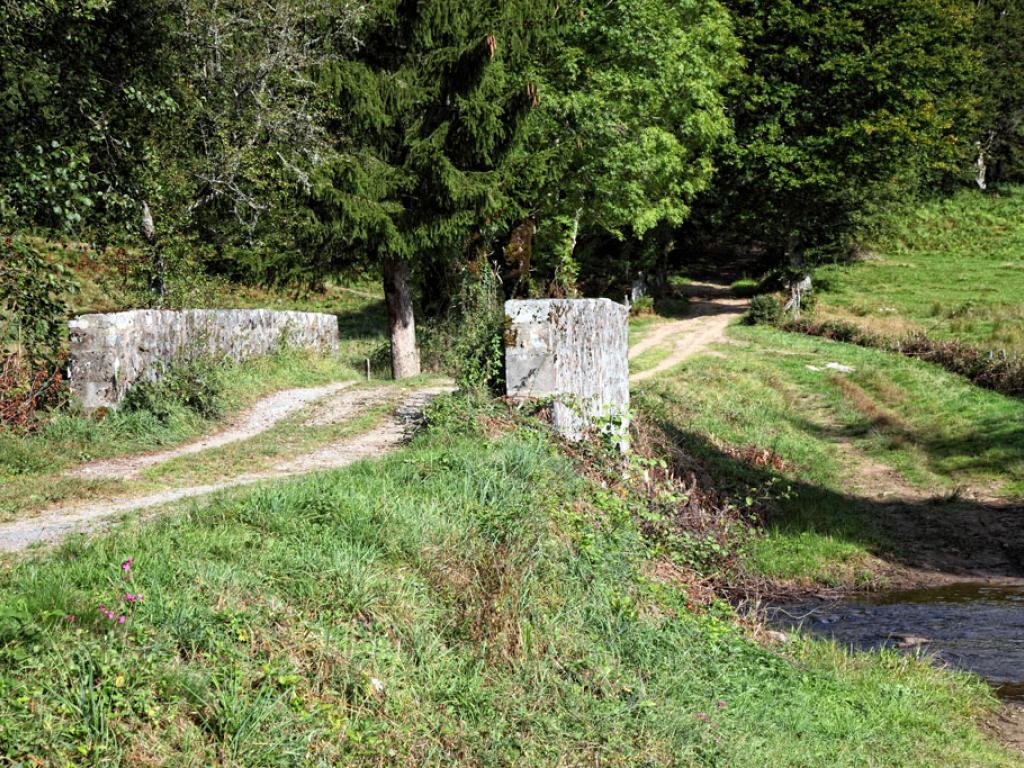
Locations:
(427, 113)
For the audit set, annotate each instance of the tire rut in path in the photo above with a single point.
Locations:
(256, 419)
(689, 336)
(58, 523)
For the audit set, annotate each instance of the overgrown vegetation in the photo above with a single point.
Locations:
(33, 335)
(196, 385)
(449, 605)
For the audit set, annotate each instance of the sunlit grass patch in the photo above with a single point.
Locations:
(952, 269)
(448, 605)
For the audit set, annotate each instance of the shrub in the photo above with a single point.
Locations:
(642, 306)
(24, 388)
(764, 310)
(33, 331)
(33, 306)
(197, 385)
(470, 341)
(745, 288)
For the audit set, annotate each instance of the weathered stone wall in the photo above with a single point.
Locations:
(111, 352)
(575, 351)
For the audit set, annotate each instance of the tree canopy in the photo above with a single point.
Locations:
(842, 106)
(564, 146)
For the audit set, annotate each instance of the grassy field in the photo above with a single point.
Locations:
(953, 268)
(819, 429)
(468, 601)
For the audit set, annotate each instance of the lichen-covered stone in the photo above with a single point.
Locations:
(111, 352)
(575, 351)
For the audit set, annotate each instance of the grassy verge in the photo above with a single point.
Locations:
(31, 465)
(467, 601)
(952, 269)
(773, 428)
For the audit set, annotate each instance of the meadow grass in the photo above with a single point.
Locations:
(935, 429)
(953, 268)
(467, 601)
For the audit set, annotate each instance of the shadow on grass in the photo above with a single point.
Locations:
(946, 534)
(989, 448)
(367, 323)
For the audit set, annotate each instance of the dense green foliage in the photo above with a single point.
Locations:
(558, 147)
(79, 83)
(634, 112)
(1000, 37)
(33, 309)
(843, 107)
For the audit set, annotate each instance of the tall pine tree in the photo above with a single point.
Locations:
(426, 115)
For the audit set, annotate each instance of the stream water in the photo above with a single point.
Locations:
(975, 627)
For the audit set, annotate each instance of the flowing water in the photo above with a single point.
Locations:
(975, 627)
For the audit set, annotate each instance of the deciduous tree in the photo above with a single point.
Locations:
(842, 107)
(999, 29)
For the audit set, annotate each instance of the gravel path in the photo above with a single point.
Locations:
(55, 524)
(260, 417)
(712, 311)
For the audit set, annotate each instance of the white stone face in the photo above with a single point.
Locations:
(575, 351)
(111, 352)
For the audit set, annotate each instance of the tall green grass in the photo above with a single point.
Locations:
(467, 601)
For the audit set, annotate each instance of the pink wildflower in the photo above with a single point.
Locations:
(120, 619)
(702, 716)
(722, 705)
(130, 598)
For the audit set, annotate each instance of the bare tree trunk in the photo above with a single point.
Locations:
(158, 280)
(405, 358)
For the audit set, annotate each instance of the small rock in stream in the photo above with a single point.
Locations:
(909, 641)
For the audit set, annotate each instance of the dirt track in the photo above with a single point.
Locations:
(712, 309)
(258, 418)
(54, 524)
